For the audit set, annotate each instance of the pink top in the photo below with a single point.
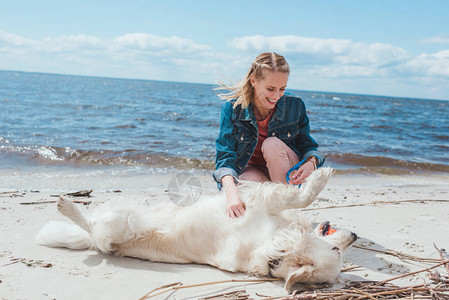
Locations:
(257, 158)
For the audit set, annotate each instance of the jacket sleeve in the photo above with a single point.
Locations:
(225, 145)
(305, 144)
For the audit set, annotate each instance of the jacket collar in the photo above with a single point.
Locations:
(279, 114)
(247, 114)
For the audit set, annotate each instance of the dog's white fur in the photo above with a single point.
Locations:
(270, 239)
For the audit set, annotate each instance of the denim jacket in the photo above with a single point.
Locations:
(238, 134)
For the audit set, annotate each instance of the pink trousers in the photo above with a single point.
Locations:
(279, 157)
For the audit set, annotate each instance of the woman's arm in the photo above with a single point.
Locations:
(225, 147)
(235, 208)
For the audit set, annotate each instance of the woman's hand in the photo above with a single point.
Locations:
(299, 176)
(235, 208)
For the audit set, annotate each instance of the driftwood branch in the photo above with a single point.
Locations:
(178, 285)
(416, 272)
(354, 290)
(375, 203)
(83, 193)
(442, 252)
(237, 295)
(400, 255)
(436, 277)
(371, 290)
(350, 268)
(171, 285)
(8, 192)
(53, 201)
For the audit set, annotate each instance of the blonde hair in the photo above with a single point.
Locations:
(243, 90)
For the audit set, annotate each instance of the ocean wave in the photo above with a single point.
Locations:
(3, 140)
(442, 137)
(385, 165)
(77, 157)
(343, 162)
(127, 126)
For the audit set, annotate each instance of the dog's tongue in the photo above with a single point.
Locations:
(331, 230)
(327, 229)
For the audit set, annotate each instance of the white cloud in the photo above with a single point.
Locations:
(435, 64)
(69, 43)
(291, 43)
(347, 71)
(321, 64)
(339, 58)
(143, 41)
(437, 40)
(376, 54)
(337, 50)
(11, 40)
(14, 44)
(133, 55)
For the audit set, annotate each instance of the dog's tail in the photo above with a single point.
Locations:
(58, 234)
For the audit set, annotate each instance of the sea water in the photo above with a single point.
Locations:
(74, 122)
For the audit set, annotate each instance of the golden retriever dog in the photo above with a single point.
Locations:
(271, 239)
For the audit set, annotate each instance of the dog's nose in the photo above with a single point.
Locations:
(354, 236)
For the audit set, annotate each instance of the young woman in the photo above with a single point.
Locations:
(263, 133)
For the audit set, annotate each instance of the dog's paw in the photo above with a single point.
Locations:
(66, 206)
(321, 174)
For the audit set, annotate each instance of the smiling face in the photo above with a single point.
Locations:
(267, 91)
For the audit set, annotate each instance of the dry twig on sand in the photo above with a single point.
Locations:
(373, 290)
(350, 268)
(8, 192)
(354, 290)
(416, 272)
(238, 295)
(83, 193)
(29, 263)
(442, 253)
(178, 285)
(400, 255)
(375, 203)
(53, 201)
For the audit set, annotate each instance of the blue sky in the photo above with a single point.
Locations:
(393, 48)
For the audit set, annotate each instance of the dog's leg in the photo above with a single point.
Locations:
(283, 197)
(68, 209)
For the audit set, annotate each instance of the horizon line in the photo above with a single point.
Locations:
(211, 84)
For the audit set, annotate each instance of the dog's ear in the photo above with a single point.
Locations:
(300, 275)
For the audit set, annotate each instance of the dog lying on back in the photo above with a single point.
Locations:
(271, 239)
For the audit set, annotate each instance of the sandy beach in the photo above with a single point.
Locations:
(30, 271)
